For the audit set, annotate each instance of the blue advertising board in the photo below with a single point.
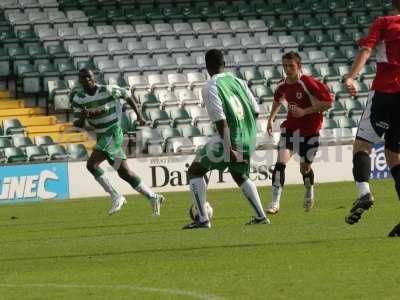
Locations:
(379, 168)
(33, 182)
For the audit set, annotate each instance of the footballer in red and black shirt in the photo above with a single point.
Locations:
(306, 99)
(380, 119)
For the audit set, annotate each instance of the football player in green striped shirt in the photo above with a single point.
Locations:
(100, 106)
(233, 110)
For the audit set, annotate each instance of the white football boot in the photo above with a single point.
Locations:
(273, 208)
(156, 203)
(309, 199)
(116, 204)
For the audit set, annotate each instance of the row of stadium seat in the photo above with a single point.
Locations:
(33, 153)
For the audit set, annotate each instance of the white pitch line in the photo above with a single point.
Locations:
(175, 292)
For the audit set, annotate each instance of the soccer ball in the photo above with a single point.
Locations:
(194, 213)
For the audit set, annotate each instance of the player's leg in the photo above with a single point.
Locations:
(308, 180)
(308, 151)
(278, 179)
(250, 192)
(93, 166)
(198, 188)
(138, 185)
(369, 132)
(392, 154)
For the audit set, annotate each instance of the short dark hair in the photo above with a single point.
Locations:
(214, 59)
(292, 55)
(396, 4)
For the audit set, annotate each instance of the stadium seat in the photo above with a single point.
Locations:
(346, 123)
(14, 154)
(329, 124)
(5, 142)
(263, 92)
(252, 76)
(21, 141)
(12, 126)
(157, 117)
(44, 140)
(337, 110)
(329, 74)
(36, 153)
(179, 145)
(77, 152)
(57, 152)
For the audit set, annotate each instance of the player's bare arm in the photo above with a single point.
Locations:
(132, 103)
(358, 64)
(274, 111)
(224, 133)
(319, 106)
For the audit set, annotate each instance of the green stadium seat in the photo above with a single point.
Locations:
(57, 152)
(252, 76)
(36, 153)
(335, 56)
(330, 23)
(367, 72)
(346, 123)
(157, 117)
(12, 126)
(329, 124)
(311, 71)
(27, 36)
(364, 21)
(329, 74)
(312, 24)
(179, 115)
(319, 7)
(337, 6)
(28, 78)
(5, 142)
(77, 152)
(294, 25)
(189, 131)
(263, 93)
(337, 110)
(272, 74)
(47, 72)
(342, 39)
(18, 56)
(353, 107)
(325, 41)
(21, 141)
(5, 68)
(169, 132)
(38, 54)
(14, 155)
(43, 140)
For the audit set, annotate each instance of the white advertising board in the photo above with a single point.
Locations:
(169, 173)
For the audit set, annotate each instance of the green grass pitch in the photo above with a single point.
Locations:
(73, 250)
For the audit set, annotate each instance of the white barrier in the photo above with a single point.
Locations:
(169, 173)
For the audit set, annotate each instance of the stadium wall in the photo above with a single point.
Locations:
(169, 173)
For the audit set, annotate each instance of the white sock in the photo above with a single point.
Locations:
(276, 194)
(145, 190)
(249, 190)
(103, 181)
(309, 194)
(198, 187)
(363, 188)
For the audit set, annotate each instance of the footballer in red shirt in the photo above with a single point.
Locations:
(306, 99)
(380, 119)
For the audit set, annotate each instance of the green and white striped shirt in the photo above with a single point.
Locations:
(105, 106)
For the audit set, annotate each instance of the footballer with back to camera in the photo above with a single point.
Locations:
(233, 110)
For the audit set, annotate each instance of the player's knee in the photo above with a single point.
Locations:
(361, 166)
(305, 168)
(396, 177)
(278, 175)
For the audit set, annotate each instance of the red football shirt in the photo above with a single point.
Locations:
(384, 35)
(303, 94)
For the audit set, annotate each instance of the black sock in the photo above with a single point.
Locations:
(396, 176)
(361, 166)
(279, 171)
(308, 178)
